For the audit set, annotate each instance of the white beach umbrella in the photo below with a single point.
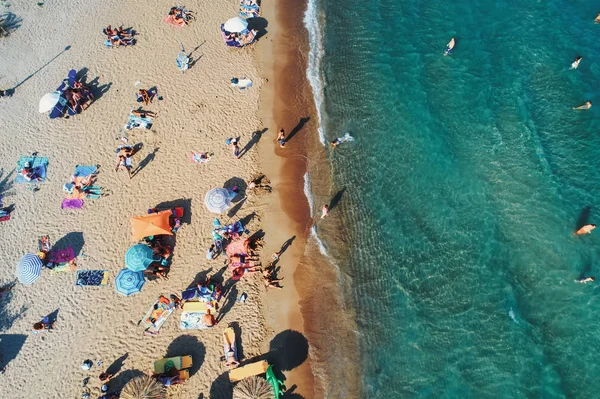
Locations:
(49, 101)
(235, 25)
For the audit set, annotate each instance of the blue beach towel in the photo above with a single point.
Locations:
(91, 278)
(82, 170)
(39, 166)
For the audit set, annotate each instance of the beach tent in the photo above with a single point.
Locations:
(235, 25)
(29, 269)
(151, 224)
(138, 257)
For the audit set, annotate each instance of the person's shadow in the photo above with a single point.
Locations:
(117, 365)
(231, 298)
(336, 198)
(298, 127)
(286, 245)
(144, 162)
(255, 139)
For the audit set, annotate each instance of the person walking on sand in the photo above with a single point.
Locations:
(324, 211)
(587, 105)
(584, 280)
(575, 63)
(450, 46)
(281, 138)
(587, 229)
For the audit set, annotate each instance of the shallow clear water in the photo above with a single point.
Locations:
(467, 178)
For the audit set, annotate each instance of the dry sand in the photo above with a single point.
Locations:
(199, 111)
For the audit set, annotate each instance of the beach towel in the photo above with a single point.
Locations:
(62, 255)
(72, 203)
(242, 82)
(238, 246)
(200, 157)
(154, 319)
(170, 19)
(138, 122)
(191, 315)
(84, 171)
(183, 62)
(91, 278)
(39, 166)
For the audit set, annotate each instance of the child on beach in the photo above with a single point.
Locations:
(281, 138)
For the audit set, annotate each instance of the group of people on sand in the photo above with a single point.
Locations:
(119, 36)
(79, 95)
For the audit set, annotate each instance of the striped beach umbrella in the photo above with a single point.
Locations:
(129, 282)
(217, 200)
(138, 257)
(29, 268)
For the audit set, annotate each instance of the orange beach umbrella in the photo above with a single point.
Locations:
(151, 224)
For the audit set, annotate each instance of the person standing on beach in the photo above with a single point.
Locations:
(281, 138)
(587, 105)
(587, 229)
(325, 211)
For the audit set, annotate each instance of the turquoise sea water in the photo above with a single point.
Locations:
(467, 178)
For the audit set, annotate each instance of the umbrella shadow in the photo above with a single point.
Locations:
(117, 383)
(188, 345)
(288, 350)
(117, 365)
(9, 23)
(297, 128)
(10, 346)
(260, 25)
(336, 198)
(584, 217)
(144, 162)
(253, 141)
(241, 185)
(221, 388)
(39, 69)
(73, 239)
(228, 305)
(185, 203)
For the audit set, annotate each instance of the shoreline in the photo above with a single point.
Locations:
(317, 306)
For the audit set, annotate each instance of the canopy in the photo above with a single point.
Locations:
(29, 268)
(49, 101)
(138, 257)
(235, 25)
(129, 282)
(217, 200)
(151, 224)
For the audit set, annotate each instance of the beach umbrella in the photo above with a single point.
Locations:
(49, 101)
(235, 25)
(143, 387)
(217, 200)
(253, 388)
(129, 282)
(29, 268)
(151, 224)
(138, 257)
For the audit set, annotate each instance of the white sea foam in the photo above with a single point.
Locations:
(322, 247)
(316, 52)
(308, 193)
(346, 138)
(511, 313)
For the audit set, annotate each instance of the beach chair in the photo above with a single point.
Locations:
(248, 370)
(181, 363)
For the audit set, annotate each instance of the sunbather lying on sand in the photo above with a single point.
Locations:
(231, 363)
(28, 173)
(247, 39)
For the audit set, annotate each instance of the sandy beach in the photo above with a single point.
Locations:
(198, 112)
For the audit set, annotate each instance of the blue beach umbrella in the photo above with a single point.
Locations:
(217, 200)
(29, 268)
(138, 257)
(129, 282)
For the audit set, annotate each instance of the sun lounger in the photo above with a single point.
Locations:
(91, 278)
(159, 315)
(191, 315)
(39, 166)
(248, 370)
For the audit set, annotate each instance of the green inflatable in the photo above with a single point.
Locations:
(277, 384)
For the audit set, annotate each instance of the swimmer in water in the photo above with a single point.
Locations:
(587, 229)
(575, 63)
(597, 19)
(450, 46)
(585, 280)
(587, 105)
(335, 143)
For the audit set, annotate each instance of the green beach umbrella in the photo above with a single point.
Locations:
(138, 257)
